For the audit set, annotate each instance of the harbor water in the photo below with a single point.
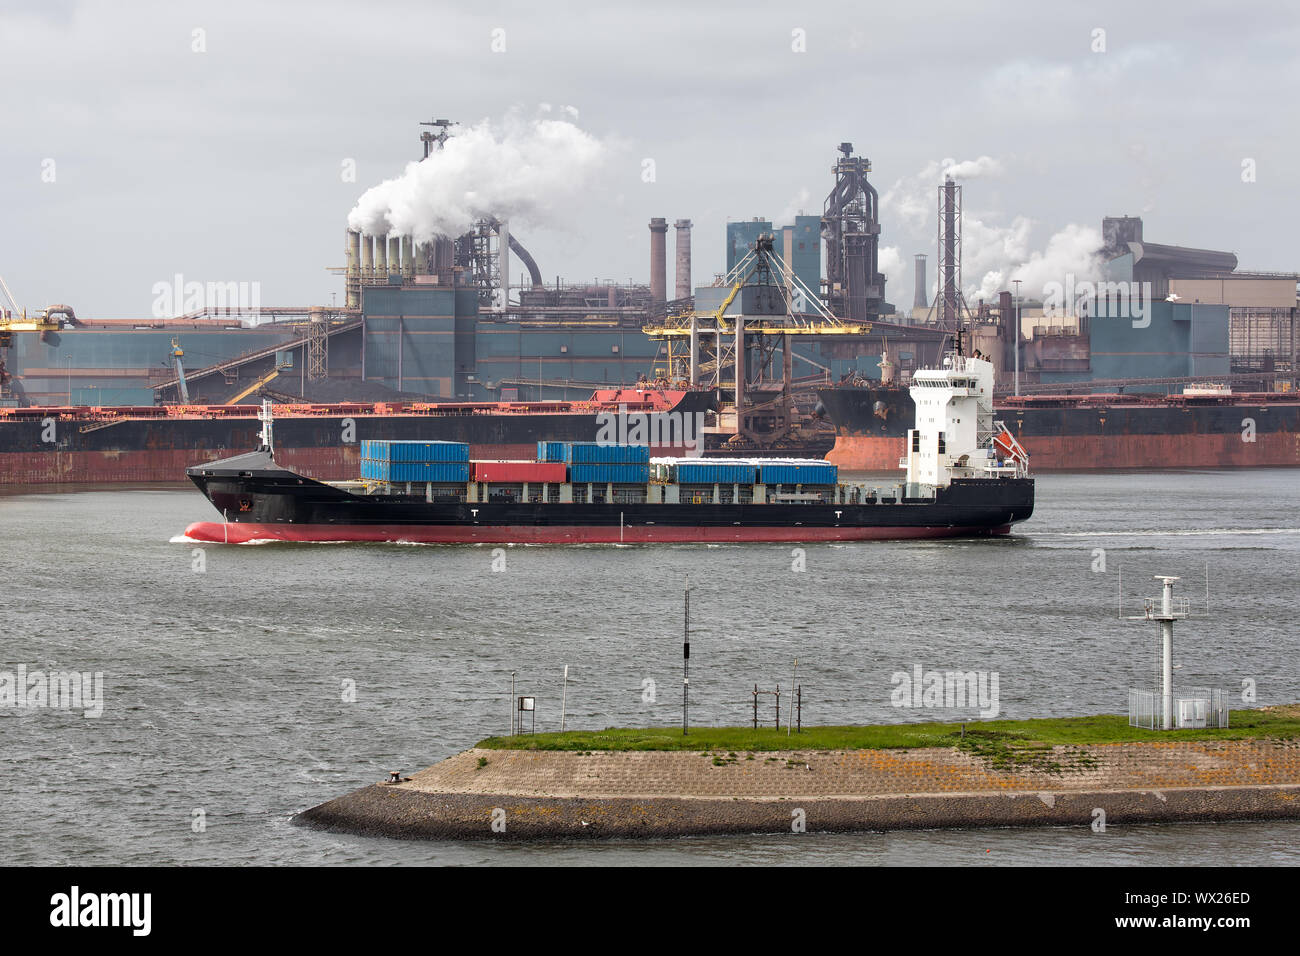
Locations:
(242, 684)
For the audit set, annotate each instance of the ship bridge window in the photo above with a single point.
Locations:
(942, 444)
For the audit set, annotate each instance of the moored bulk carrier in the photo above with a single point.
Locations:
(157, 444)
(965, 476)
(1209, 428)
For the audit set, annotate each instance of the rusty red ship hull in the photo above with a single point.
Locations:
(1087, 432)
(156, 444)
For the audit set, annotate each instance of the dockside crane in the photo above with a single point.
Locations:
(177, 355)
(708, 343)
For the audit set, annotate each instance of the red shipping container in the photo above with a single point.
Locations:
(514, 472)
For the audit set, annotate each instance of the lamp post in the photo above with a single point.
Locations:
(686, 662)
(1016, 283)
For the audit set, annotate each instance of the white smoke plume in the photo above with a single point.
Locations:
(992, 255)
(891, 265)
(1074, 250)
(972, 168)
(518, 169)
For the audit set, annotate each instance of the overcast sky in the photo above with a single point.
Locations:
(226, 164)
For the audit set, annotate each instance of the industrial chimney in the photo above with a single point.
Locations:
(352, 294)
(658, 260)
(922, 299)
(683, 227)
(367, 257)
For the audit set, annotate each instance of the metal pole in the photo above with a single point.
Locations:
(564, 694)
(512, 703)
(686, 662)
(756, 707)
(799, 710)
(695, 350)
(1167, 653)
(778, 706)
(789, 724)
(1016, 283)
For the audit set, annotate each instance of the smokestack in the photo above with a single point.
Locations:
(658, 260)
(354, 253)
(395, 255)
(408, 256)
(367, 257)
(922, 298)
(381, 256)
(683, 227)
(352, 285)
(949, 253)
(503, 260)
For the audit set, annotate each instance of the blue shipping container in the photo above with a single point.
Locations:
(810, 473)
(591, 453)
(445, 472)
(705, 473)
(553, 451)
(415, 451)
(600, 473)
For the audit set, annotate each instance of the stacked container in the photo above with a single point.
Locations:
(518, 472)
(552, 451)
(794, 471)
(444, 462)
(623, 473)
(594, 453)
(604, 464)
(716, 473)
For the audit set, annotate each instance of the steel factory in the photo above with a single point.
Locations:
(801, 305)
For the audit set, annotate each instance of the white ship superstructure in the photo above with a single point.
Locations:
(954, 434)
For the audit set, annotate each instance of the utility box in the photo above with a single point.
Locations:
(1192, 712)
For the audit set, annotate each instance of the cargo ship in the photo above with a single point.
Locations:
(157, 443)
(965, 476)
(1205, 427)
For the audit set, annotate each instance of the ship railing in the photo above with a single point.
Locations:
(1180, 607)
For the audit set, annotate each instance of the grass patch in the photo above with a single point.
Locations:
(1012, 743)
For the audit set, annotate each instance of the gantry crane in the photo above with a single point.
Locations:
(705, 345)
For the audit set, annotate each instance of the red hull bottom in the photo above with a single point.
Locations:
(242, 533)
(1094, 453)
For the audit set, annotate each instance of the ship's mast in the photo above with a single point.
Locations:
(267, 425)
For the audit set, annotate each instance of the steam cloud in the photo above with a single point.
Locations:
(518, 170)
(993, 255)
(972, 168)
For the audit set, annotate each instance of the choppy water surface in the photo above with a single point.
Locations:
(224, 686)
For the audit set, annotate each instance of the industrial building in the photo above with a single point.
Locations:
(449, 320)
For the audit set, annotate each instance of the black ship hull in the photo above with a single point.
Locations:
(262, 501)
